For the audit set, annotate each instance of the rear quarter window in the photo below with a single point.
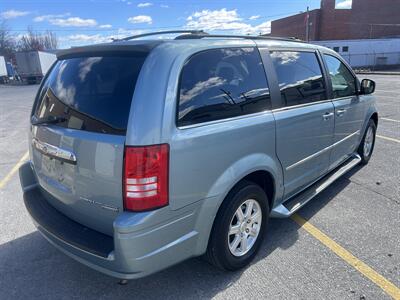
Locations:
(222, 83)
(91, 93)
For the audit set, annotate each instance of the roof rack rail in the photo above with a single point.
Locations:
(186, 32)
(203, 34)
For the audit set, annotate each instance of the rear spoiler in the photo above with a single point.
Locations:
(107, 49)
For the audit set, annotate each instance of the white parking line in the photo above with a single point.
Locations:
(391, 120)
(388, 138)
(391, 97)
(387, 104)
(384, 91)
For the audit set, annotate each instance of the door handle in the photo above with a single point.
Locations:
(327, 116)
(54, 151)
(340, 112)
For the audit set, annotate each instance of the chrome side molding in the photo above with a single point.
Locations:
(321, 151)
(54, 151)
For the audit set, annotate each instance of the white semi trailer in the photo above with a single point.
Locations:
(3, 70)
(33, 65)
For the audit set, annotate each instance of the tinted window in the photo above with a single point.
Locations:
(299, 77)
(91, 93)
(222, 83)
(343, 81)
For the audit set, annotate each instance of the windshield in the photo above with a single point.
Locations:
(91, 93)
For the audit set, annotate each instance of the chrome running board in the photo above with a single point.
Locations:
(293, 204)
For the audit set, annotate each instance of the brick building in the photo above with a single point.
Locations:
(367, 19)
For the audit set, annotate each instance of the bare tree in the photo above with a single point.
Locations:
(36, 41)
(50, 40)
(7, 41)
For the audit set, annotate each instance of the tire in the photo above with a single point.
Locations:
(218, 250)
(367, 145)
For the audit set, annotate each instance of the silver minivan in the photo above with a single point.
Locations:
(146, 152)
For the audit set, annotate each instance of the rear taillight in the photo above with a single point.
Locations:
(146, 177)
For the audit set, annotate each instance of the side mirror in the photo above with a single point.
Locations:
(367, 87)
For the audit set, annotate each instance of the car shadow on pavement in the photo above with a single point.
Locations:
(32, 268)
(327, 195)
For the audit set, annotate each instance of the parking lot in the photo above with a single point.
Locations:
(345, 244)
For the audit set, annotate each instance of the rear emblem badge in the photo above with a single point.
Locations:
(103, 206)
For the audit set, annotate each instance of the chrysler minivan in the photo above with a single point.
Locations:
(146, 152)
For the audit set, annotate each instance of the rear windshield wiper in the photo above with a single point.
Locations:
(47, 120)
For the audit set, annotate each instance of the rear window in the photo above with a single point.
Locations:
(91, 93)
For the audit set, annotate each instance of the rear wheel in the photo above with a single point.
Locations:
(239, 227)
(367, 143)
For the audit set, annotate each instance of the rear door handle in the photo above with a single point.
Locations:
(327, 116)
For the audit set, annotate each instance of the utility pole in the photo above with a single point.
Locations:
(308, 25)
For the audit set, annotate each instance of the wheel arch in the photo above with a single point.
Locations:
(371, 115)
(374, 117)
(265, 180)
(265, 172)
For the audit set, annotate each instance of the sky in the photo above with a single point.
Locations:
(81, 22)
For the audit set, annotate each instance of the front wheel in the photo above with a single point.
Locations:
(239, 227)
(367, 143)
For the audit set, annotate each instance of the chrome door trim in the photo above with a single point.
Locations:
(248, 116)
(343, 98)
(301, 105)
(54, 151)
(321, 151)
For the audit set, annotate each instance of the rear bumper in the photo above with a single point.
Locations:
(55, 223)
(142, 243)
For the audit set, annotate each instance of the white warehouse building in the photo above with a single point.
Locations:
(367, 53)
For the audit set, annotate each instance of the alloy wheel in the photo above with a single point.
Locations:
(244, 227)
